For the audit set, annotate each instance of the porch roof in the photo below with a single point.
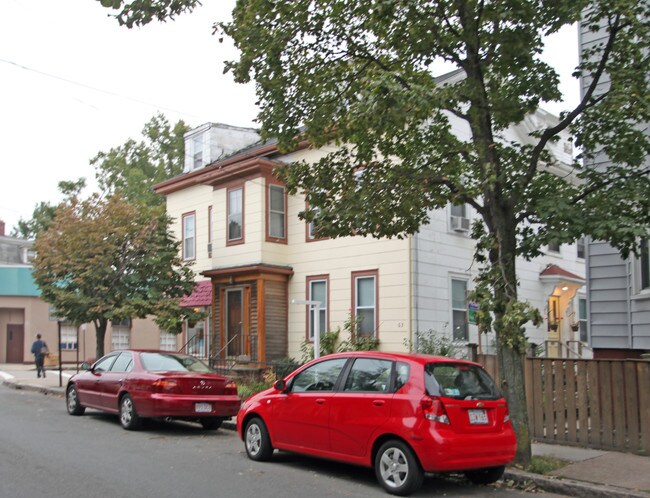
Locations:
(554, 272)
(200, 296)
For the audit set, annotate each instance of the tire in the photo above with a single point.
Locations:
(211, 423)
(72, 401)
(485, 476)
(129, 417)
(257, 441)
(398, 469)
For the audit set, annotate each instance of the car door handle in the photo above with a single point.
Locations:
(320, 401)
(378, 402)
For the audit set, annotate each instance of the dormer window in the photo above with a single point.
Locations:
(197, 151)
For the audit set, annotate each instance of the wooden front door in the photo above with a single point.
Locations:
(15, 343)
(234, 322)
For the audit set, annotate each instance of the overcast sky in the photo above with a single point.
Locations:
(73, 83)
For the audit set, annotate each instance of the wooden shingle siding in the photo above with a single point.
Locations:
(276, 320)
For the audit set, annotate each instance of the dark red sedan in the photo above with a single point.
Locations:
(402, 414)
(153, 384)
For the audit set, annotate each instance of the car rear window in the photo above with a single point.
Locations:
(459, 381)
(159, 362)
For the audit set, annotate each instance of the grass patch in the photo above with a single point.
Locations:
(545, 464)
(247, 389)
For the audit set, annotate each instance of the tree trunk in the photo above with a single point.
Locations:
(511, 372)
(100, 334)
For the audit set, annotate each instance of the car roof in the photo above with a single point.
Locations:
(420, 358)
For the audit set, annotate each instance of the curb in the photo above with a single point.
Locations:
(54, 391)
(569, 487)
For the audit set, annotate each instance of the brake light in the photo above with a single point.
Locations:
(230, 388)
(434, 409)
(506, 418)
(164, 386)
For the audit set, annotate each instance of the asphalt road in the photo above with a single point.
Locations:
(44, 452)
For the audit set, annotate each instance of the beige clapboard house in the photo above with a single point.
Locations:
(255, 261)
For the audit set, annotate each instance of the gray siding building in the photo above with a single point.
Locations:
(618, 290)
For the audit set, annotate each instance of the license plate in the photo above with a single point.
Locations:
(203, 407)
(478, 417)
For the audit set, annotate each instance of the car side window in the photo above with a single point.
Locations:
(104, 365)
(369, 375)
(124, 363)
(319, 377)
(402, 372)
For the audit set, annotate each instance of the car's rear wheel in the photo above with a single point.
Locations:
(129, 417)
(72, 401)
(257, 441)
(211, 423)
(397, 468)
(485, 476)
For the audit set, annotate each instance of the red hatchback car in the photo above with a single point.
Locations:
(158, 384)
(402, 414)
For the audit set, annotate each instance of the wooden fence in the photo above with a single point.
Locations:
(601, 404)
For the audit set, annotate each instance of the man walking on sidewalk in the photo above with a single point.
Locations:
(39, 350)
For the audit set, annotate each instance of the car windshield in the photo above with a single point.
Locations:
(169, 362)
(459, 381)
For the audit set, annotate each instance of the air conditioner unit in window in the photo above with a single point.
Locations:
(209, 249)
(459, 224)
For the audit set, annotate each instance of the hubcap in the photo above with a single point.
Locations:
(72, 399)
(253, 439)
(393, 467)
(127, 408)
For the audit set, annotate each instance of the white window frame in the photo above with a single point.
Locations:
(168, 341)
(358, 277)
(456, 309)
(277, 213)
(121, 335)
(233, 215)
(69, 336)
(323, 306)
(187, 254)
(197, 151)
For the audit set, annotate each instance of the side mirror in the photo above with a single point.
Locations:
(85, 366)
(280, 385)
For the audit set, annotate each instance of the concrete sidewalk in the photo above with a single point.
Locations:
(590, 473)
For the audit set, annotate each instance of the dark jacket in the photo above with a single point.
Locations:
(37, 346)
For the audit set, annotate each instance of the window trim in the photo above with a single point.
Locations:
(353, 308)
(242, 239)
(582, 241)
(184, 217)
(316, 278)
(196, 140)
(269, 237)
(209, 247)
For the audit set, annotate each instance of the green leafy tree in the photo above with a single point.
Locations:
(44, 211)
(133, 168)
(360, 75)
(105, 259)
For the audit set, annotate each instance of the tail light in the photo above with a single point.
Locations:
(230, 388)
(434, 409)
(164, 386)
(506, 417)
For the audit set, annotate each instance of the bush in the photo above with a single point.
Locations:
(432, 342)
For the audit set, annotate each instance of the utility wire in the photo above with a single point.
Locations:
(89, 87)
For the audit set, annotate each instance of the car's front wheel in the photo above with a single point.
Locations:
(72, 401)
(129, 417)
(257, 441)
(485, 476)
(211, 423)
(397, 468)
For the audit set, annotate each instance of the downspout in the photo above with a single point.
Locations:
(414, 319)
(629, 304)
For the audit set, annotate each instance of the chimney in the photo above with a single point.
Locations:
(2, 228)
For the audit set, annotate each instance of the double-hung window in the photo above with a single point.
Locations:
(277, 215)
(197, 150)
(365, 302)
(644, 265)
(189, 236)
(121, 334)
(68, 336)
(236, 215)
(317, 288)
(459, 310)
(582, 318)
